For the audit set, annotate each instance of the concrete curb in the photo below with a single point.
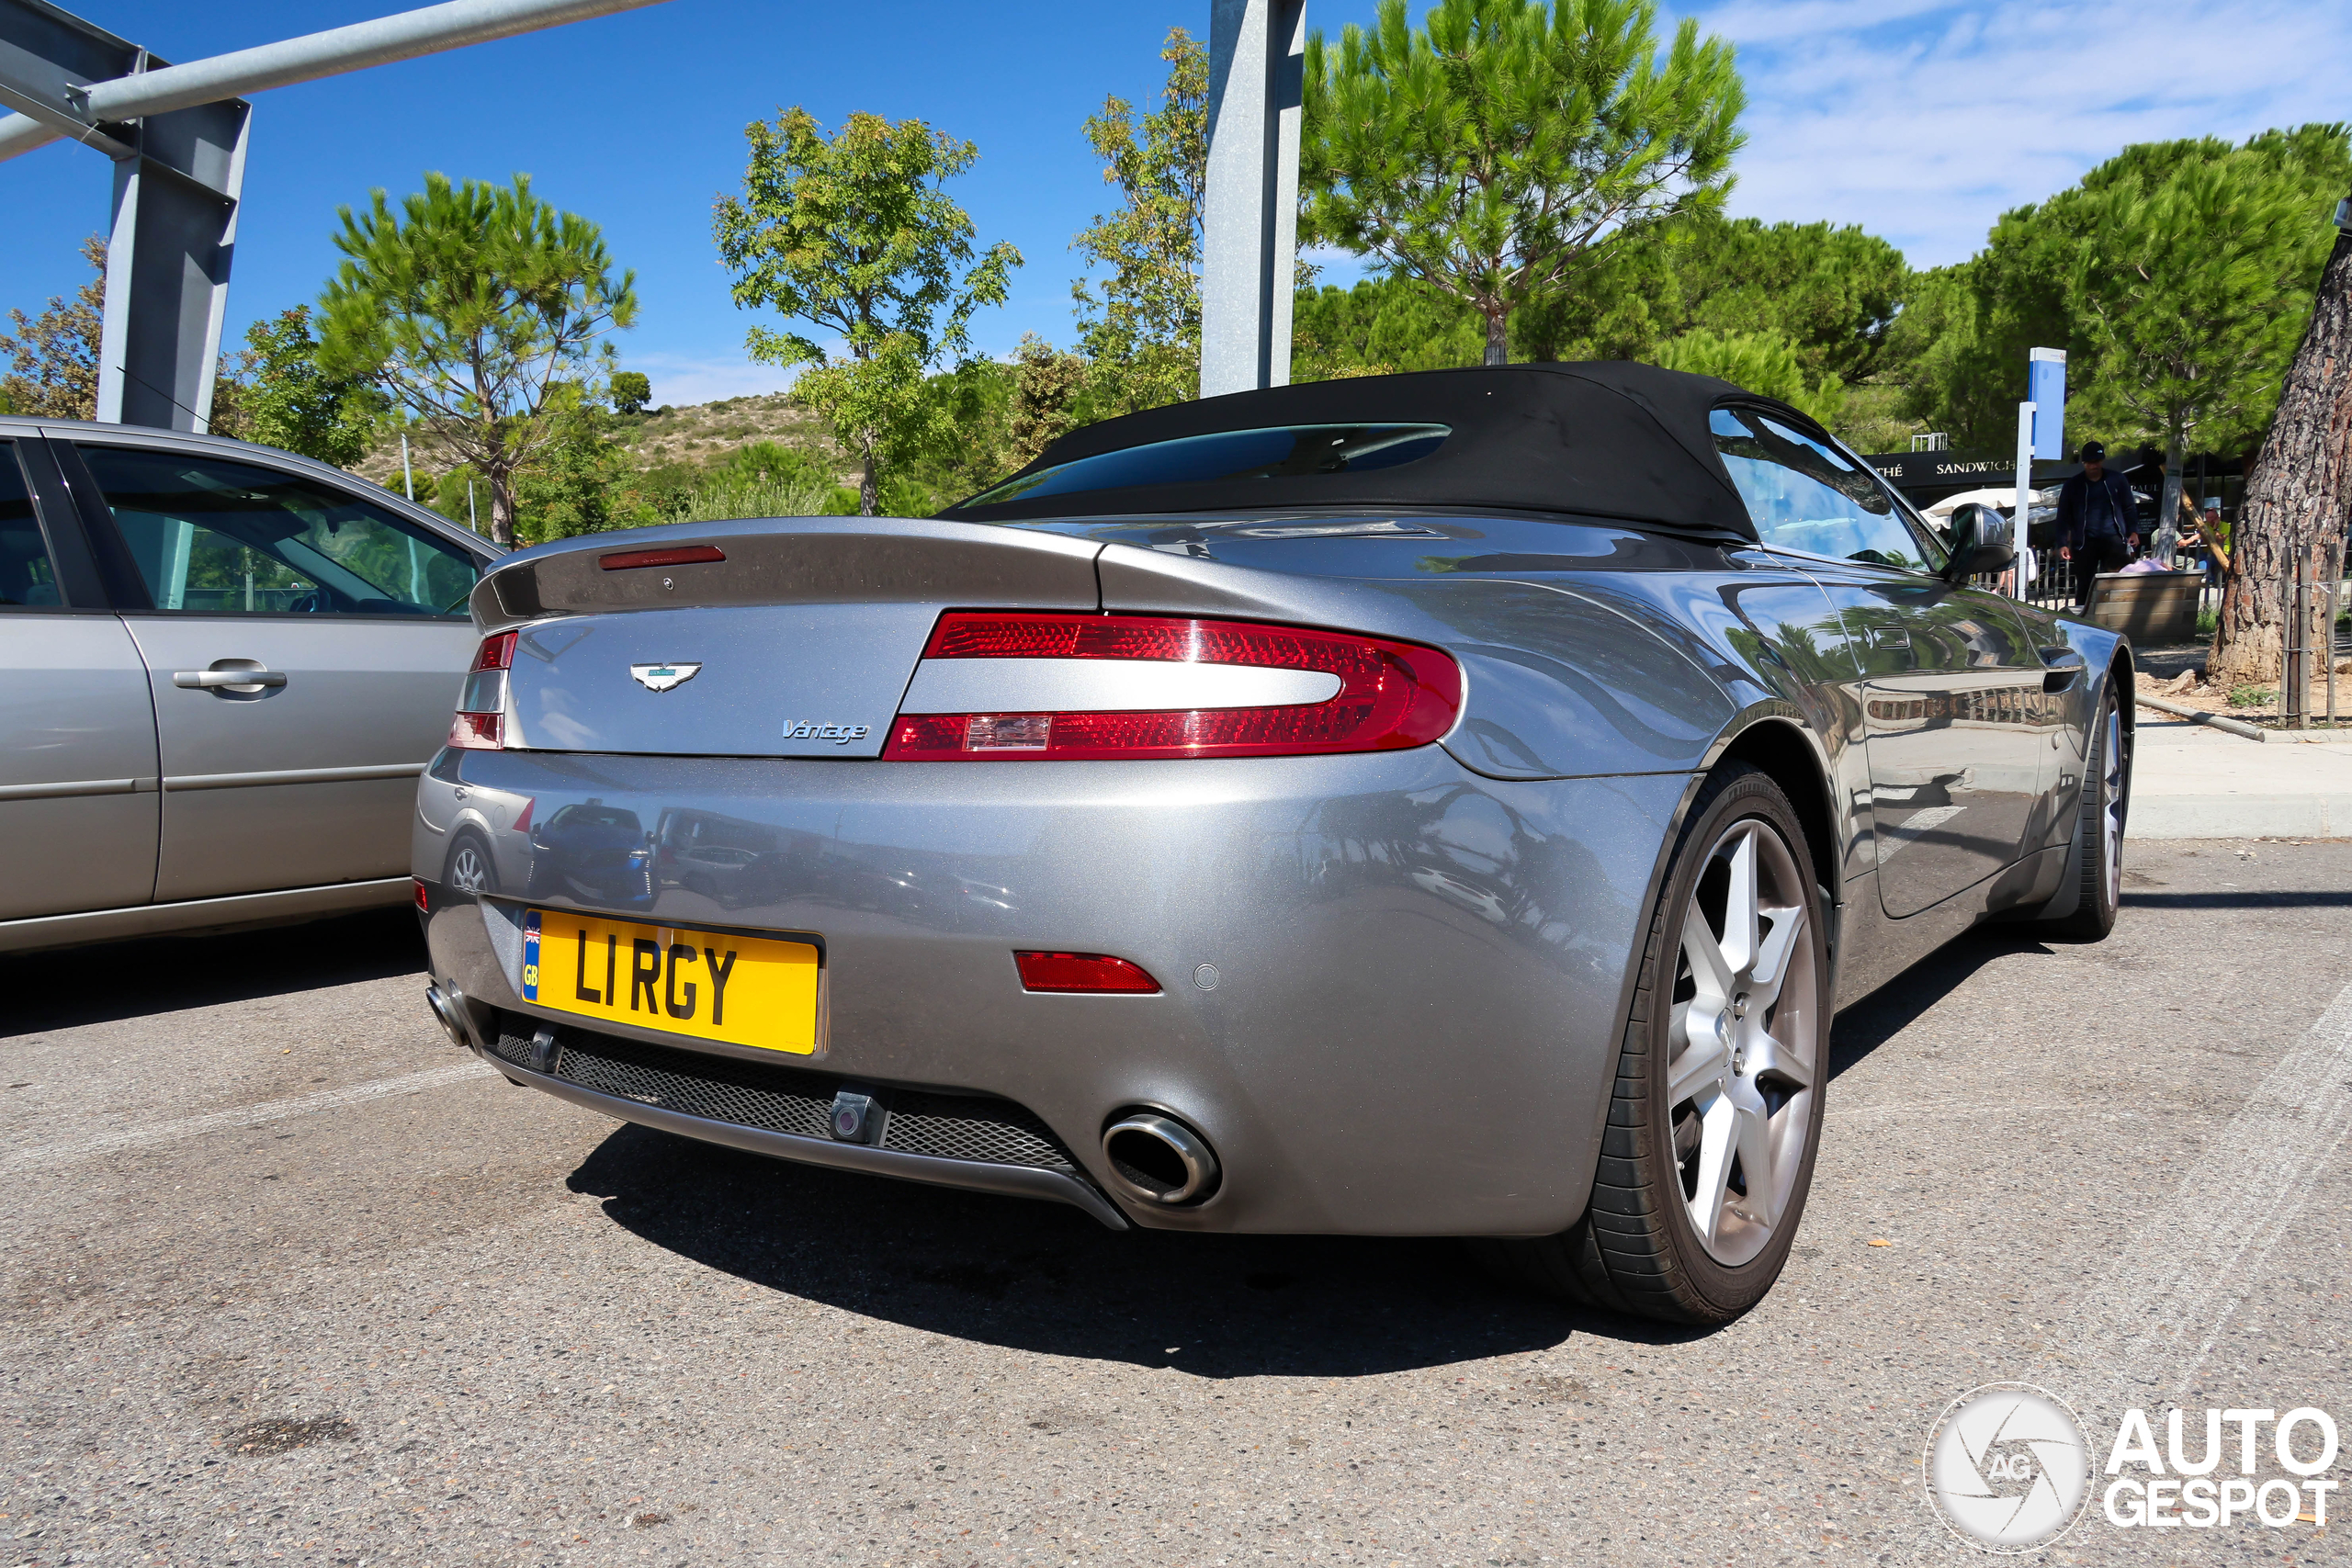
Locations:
(2241, 817)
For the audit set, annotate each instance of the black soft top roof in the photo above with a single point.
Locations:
(1611, 437)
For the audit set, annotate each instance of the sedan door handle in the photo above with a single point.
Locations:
(214, 680)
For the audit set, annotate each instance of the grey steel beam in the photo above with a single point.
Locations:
(47, 56)
(1250, 211)
(119, 97)
(177, 134)
(167, 265)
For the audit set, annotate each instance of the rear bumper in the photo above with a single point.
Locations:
(1410, 978)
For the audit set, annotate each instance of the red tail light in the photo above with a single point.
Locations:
(1390, 694)
(1082, 972)
(522, 823)
(481, 721)
(423, 904)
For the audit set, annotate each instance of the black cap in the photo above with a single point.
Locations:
(2093, 451)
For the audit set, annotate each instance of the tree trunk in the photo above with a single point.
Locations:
(501, 507)
(1498, 338)
(869, 496)
(2297, 491)
(2167, 532)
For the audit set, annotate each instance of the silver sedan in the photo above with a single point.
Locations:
(227, 664)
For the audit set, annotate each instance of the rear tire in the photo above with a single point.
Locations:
(2104, 801)
(1725, 1057)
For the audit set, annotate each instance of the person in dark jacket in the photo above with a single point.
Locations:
(2099, 520)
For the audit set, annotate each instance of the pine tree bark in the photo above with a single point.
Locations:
(2296, 495)
(1498, 338)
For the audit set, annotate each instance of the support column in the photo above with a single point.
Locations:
(1250, 212)
(167, 265)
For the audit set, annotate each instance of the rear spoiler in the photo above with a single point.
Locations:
(783, 561)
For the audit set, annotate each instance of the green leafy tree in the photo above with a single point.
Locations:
(577, 480)
(1049, 390)
(471, 306)
(631, 390)
(1380, 325)
(1488, 152)
(53, 356)
(1831, 294)
(282, 399)
(1143, 330)
(2027, 288)
(2191, 290)
(854, 236)
(1763, 363)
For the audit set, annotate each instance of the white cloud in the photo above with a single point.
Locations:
(683, 378)
(1923, 120)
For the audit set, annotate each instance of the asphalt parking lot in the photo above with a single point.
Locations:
(287, 1278)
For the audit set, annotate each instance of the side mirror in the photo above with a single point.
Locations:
(1981, 541)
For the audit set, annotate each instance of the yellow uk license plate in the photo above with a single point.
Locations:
(743, 990)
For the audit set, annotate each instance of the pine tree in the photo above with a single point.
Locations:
(2299, 493)
(476, 307)
(1489, 152)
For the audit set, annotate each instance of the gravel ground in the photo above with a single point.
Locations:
(284, 1279)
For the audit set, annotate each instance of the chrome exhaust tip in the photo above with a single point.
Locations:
(1158, 1159)
(449, 1012)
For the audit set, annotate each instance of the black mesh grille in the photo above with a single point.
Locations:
(956, 1127)
(789, 1099)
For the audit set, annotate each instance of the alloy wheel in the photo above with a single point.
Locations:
(2110, 802)
(468, 873)
(1744, 1052)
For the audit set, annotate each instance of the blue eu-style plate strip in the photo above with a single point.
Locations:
(531, 956)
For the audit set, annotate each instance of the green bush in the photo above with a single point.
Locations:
(728, 496)
(2250, 697)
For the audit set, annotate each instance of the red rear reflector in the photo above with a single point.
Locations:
(1080, 971)
(1392, 695)
(495, 653)
(681, 554)
(423, 904)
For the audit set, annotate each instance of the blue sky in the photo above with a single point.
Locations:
(1920, 120)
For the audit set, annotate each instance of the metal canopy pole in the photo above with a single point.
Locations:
(1250, 211)
(178, 135)
(71, 109)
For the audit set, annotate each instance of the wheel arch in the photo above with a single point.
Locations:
(1789, 753)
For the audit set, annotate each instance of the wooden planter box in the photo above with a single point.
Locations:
(2149, 607)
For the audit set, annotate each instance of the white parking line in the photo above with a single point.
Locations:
(2143, 1331)
(45, 1157)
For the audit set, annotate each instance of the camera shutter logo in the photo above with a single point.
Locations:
(2007, 1467)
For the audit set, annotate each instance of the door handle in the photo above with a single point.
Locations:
(226, 679)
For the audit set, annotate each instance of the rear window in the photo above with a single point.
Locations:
(1280, 451)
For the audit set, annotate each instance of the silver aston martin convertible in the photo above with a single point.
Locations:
(1451, 803)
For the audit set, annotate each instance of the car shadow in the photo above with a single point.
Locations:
(67, 988)
(1039, 1277)
(1863, 1026)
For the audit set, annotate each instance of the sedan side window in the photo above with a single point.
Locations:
(28, 577)
(1804, 494)
(220, 538)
